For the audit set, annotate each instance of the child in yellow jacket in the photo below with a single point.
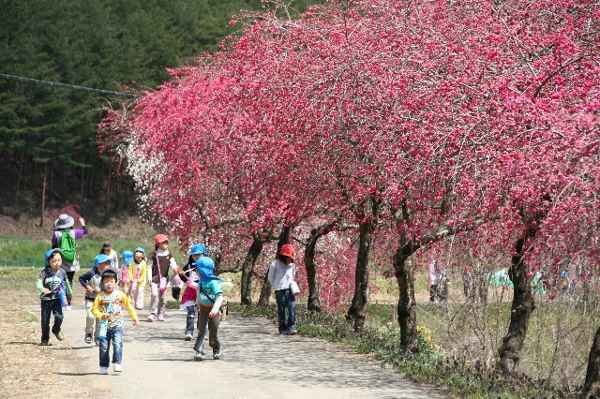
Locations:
(108, 310)
(138, 270)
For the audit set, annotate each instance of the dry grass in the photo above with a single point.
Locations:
(26, 369)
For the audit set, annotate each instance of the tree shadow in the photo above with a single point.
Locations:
(24, 343)
(76, 374)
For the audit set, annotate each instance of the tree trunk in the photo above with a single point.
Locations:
(358, 310)
(248, 269)
(265, 292)
(44, 187)
(314, 302)
(522, 306)
(407, 315)
(591, 388)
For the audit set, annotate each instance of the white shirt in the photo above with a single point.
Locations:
(281, 275)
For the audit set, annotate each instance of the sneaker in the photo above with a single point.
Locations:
(69, 308)
(88, 339)
(292, 331)
(45, 343)
(117, 368)
(151, 317)
(199, 356)
(161, 317)
(103, 370)
(188, 337)
(59, 335)
(217, 355)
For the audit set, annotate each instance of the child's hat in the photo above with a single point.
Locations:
(127, 256)
(288, 251)
(160, 238)
(109, 273)
(101, 258)
(64, 221)
(140, 249)
(198, 249)
(51, 252)
(205, 267)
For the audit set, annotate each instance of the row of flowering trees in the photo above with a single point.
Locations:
(383, 127)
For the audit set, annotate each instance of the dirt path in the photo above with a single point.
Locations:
(258, 363)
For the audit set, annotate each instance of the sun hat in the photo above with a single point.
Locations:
(64, 221)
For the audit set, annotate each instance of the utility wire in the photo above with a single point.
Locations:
(67, 85)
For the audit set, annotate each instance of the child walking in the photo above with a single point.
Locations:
(51, 281)
(138, 270)
(108, 310)
(189, 276)
(210, 299)
(124, 283)
(108, 250)
(281, 275)
(162, 263)
(64, 237)
(90, 281)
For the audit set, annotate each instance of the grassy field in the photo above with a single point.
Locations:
(22, 251)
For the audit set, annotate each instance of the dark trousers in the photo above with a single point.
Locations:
(70, 278)
(286, 309)
(49, 307)
(190, 320)
(213, 330)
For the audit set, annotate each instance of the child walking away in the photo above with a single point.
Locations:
(124, 282)
(162, 263)
(138, 270)
(281, 275)
(50, 282)
(90, 281)
(108, 250)
(64, 237)
(189, 276)
(108, 310)
(210, 299)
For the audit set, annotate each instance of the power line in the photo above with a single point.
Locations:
(66, 85)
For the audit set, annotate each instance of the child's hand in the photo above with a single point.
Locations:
(212, 315)
(89, 289)
(46, 291)
(105, 316)
(135, 323)
(82, 222)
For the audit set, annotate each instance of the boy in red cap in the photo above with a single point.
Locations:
(282, 276)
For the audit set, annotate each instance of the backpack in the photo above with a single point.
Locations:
(67, 246)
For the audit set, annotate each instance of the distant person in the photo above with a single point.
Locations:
(108, 250)
(434, 279)
(90, 281)
(123, 274)
(138, 277)
(210, 299)
(108, 309)
(49, 284)
(162, 264)
(190, 278)
(282, 276)
(65, 237)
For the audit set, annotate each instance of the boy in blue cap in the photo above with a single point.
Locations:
(51, 281)
(90, 281)
(210, 299)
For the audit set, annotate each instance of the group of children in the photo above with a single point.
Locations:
(109, 290)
